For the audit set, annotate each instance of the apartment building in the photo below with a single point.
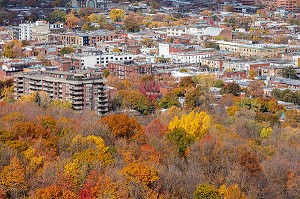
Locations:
(85, 89)
(256, 50)
(38, 31)
(127, 69)
(290, 5)
(85, 60)
(25, 31)
(81, 39)
(189, 57)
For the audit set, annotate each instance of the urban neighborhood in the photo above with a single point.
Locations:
(150, 99)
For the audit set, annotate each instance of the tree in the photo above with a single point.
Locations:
(229, 8)
(252, 74)
(66, 50)
(71, 21)
(219, 83)
(289, 72)
(57, 16)
(180, 139)
(135, 100)
(169, 100)
(13, 178)
(255, 89)
(140, 173)
(97, 18)
(133, 22)
(231, 192)
(196, 124)
(187, 82)
(54, 191)
(231, 88)
(148, 42)
(105, 73)
(122, 126)
(206, 191)
(7, 94)
(116, 14)
(13, 49)
(265, 132)
(150, 88)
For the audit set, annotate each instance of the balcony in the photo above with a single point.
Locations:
(77, 102)
(103, 100)
(77, 98)
(76, 93)
(77, 107)
(76, 88)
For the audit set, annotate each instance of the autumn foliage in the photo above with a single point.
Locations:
(238, 149)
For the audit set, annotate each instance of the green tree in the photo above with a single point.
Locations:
(105, 73)
(289, 72)
(206, 191)
(57, 16)
(219, 83)
(180, 139)
(169, 100)
(66, 50)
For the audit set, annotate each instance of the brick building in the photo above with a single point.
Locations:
(85, 89)
(125, 70)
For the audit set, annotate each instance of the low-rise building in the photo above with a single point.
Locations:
(127, 69)
(256, 50)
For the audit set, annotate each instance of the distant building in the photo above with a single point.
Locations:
(38, 31)
(86, 90)
(84, 60)
(256, 50)
(125, 70)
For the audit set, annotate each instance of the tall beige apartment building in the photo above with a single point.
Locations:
(86, 90)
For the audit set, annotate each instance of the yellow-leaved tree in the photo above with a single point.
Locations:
(139, 173)
(13, 179)
(196, 124)
(87, 152)
(231, 192)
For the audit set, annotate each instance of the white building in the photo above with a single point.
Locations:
(189, 57)
(88, 60)
(25, 31)
(37, 31)
(163, 50)
(188, 30)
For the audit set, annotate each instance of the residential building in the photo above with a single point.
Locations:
(25, 31)
(85, 89)
(127, 69)
(189, 57)
(92, 39)
(256, 50)
(85, 60)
